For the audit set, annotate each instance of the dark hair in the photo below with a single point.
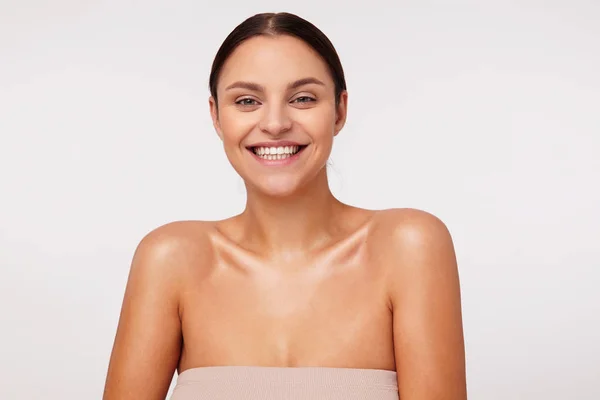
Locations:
(274, 24)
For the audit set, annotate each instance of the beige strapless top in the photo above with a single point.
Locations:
(289, 383)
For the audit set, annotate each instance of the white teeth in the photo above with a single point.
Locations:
(276, 153)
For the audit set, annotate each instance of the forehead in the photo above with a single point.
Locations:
(273, 60)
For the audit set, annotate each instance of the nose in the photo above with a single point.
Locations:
(275, 120)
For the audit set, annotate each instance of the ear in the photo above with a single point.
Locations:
(341, 112)
(214, 114)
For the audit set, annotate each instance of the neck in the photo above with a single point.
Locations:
(293, 224)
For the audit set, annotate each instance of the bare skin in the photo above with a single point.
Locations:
(299, 278)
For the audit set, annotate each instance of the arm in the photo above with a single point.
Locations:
(427, 317)
(148, 339)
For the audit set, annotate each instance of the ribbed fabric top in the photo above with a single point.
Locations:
(287, 383)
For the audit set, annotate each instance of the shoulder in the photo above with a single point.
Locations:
(409, 227)
(169, 248)
(166, 240)
(413, 241)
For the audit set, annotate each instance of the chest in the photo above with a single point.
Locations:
(320, 313)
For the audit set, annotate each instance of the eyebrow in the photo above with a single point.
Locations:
(259, 88)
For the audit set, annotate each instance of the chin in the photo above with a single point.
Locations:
(279, 191)
(280, 188)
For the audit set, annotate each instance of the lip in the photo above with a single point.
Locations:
(273, 163)
(279, 143)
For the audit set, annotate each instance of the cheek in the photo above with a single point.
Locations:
(320, 124)
(235, 126)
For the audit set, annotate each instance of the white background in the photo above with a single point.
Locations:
(485, 113)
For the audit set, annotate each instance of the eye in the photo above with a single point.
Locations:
(303, 99)
(246, 102)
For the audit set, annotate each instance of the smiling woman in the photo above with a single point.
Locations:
(300, 296)
(269, 85)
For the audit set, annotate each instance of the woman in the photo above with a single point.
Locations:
(300, 296)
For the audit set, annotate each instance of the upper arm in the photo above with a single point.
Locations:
(148, 339)
(427, 320)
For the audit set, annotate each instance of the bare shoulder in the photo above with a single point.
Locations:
(170, 245)
(170, 236)
(410, 231)
(416, 250)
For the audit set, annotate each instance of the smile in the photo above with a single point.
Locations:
(276, 153)
(272, 155)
